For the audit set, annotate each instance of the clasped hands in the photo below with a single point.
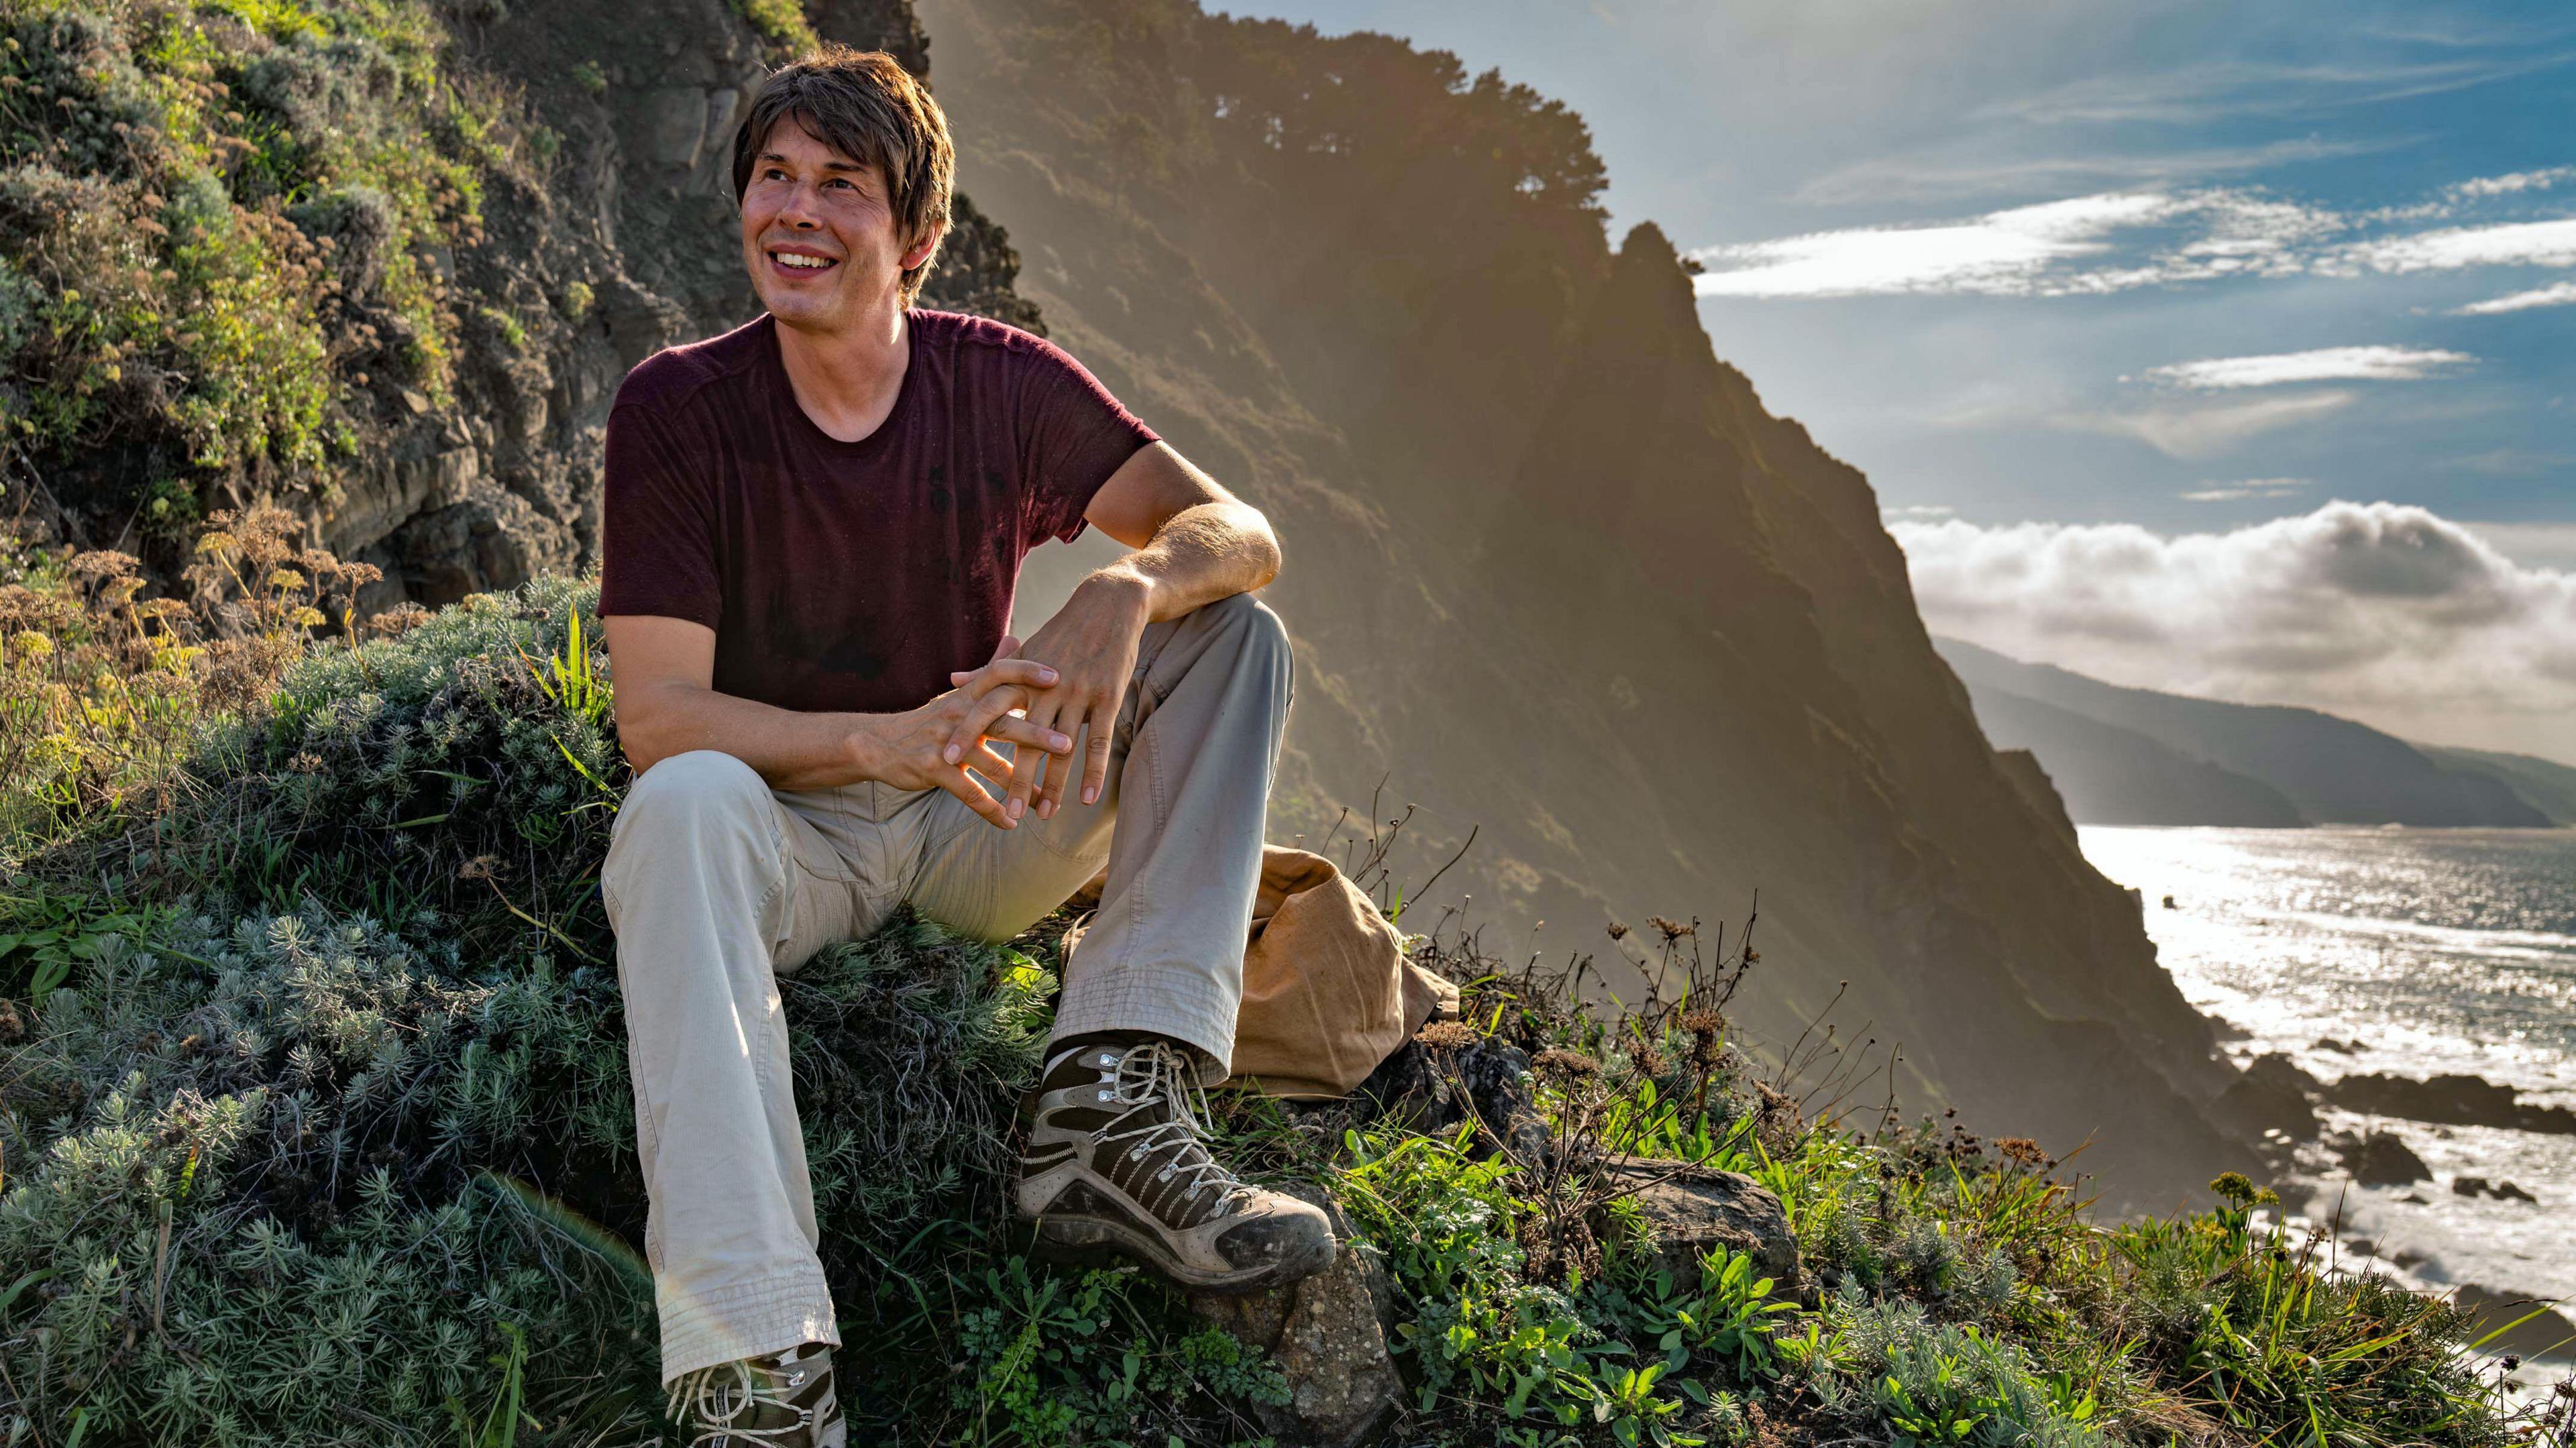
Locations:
(1071, 675)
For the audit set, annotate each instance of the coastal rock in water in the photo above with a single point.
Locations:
(2450, 1100)
(2503, 1191)
(2273, 1092)
(1328, 1333)
(1692, 1209)
(2549, 1335)
(2381, 1160)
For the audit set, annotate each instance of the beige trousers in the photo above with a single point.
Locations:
(716, 884)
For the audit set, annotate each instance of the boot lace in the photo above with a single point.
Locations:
(1154, 1071)
(716, 1402)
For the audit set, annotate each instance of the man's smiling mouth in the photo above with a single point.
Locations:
(802, 261)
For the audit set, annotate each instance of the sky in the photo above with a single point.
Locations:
(2227, 348)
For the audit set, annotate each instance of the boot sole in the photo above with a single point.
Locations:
(1090, 1241)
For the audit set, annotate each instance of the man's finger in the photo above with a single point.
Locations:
(1036, 736)
(1029, 765)
(1095, 764)
(1009, 645)
(1026, 673)
(963, 785)
(1051, 798)
(979, 720)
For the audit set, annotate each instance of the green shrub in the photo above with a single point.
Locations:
(1945, 1385)
(219, 217)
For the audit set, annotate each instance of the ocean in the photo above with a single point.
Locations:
(2393, 950)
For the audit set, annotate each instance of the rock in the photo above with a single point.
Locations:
(2273, 1092)
(1418, 1087)
(1692, 1209)
(2549, 1335)
(1329, 1334)
(2450, 1100)
(2381, 1160)
(2503, 1191)
(2341, 1048)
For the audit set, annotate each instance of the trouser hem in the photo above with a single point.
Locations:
(1168, 1000)
(746, 1319)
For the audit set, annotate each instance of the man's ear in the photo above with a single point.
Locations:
(921, 249)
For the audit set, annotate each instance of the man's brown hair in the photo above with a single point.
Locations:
(866, 106)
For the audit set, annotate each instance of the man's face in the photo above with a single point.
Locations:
(818, 234)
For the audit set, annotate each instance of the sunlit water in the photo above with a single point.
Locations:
(2425, 951)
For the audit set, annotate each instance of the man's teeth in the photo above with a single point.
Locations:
(789, 258)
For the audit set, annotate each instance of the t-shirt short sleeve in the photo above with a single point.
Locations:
(1075, 435)
(657, 525)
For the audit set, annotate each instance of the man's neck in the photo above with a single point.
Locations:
(847, 380)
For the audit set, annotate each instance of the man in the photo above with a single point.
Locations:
(812, 529)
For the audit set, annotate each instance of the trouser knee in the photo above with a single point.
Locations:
(703, 812)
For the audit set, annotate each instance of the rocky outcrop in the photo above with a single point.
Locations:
(2450, 1100)
(1432, 1091)
(2274, 1094)
(1692, 1210)
(2379, 1159)
(2524, 1325)
(2503, 1191)
(1329, 1334)
(612, 238)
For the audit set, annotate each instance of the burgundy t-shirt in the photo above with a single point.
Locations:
(850, 575)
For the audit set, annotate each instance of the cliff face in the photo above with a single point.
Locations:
(1553, 570)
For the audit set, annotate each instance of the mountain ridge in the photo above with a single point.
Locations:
(2332, 770)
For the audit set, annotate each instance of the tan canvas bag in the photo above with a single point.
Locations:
(1327, 992)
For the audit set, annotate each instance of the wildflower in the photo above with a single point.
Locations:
(1446, 1035)
(1565, 1065)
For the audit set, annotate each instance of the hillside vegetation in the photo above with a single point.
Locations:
(313, 1085)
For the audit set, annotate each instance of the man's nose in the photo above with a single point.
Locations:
(799, 210)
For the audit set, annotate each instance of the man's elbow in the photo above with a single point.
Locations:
(1266, 558)
(643, 729)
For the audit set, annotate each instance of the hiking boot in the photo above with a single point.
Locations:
(1115, 1160)
(783, 1400)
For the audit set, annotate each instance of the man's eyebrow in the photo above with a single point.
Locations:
(828, 165)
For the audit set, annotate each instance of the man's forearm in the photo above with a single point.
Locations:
(789, 748)
(1199, 555)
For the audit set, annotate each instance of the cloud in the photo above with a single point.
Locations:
(2003, 252)
(2030, 250)
(2519, 243)
(2510, 462)
(1924, 176)
(2116, 241)
(2208, 91)
(2249, 488)
(2556, 294)
(2325, 364)
(2507, 185)
(2378, 611)
(2193, 431)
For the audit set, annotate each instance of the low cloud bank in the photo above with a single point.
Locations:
(2388, 614)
